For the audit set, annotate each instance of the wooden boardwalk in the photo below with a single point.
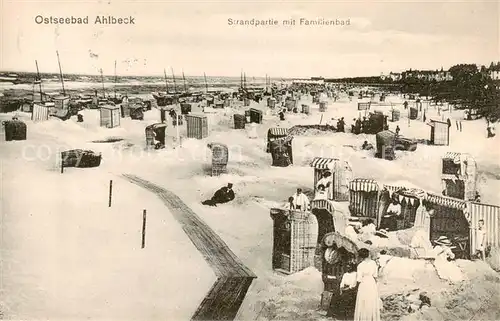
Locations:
(225, 297)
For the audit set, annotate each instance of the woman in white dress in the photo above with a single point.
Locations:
(367, 301)
(445, 269)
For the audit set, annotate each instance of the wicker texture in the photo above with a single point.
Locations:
(413, 113)
(255, 116)
(239, 121)
(197, 126)
(155, 131)
(185, 108)
(301, 230)
(220, 157)
(395, 115)
(15, 130)
(385, 144)
(281, 152)
(80, 158)
(274, 134)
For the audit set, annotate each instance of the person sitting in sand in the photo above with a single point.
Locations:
(443, 253)
(350, 230)
(369, 227)
(222, 195)
(366, 146)
(421, 245)
(379, 239)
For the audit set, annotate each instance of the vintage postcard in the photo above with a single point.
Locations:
(249, 160)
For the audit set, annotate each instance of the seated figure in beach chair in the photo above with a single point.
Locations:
(366, 146)
(321, 193)
(324, 185)
(156, 141)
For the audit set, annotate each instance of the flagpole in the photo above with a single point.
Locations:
(60, 72)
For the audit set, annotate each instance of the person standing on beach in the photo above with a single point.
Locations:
(367, 300)
(300, 200)
(481, 240)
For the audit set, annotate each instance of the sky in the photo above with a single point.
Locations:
(194, 37)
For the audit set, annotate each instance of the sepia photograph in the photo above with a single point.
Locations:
(249, 160)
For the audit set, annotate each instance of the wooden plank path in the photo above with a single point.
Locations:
(224, 299)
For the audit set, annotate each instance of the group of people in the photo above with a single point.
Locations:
(365, 232)
(358, 294)
(298, 201)
(365, 126)
(359, 125)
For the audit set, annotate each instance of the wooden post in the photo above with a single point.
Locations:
(110, 191)
(143, 244)
(177, 130)
(62, 163)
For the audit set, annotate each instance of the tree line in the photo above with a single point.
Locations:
(470, 88)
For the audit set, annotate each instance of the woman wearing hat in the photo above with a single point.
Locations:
(445, 269)
(380, 238)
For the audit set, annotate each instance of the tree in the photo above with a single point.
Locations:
(475, 90)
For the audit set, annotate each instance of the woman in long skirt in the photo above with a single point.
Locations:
(367, 300)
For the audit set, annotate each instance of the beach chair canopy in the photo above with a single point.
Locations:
(341, 241)
(323, 163)
(447, 201)
(277, 132)
(364, 185)
(385, 137)
(156, 126)
(459, 158)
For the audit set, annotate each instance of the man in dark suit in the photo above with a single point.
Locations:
(222, 195)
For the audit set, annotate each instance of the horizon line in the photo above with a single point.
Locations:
(247, 77)
(151, 75)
